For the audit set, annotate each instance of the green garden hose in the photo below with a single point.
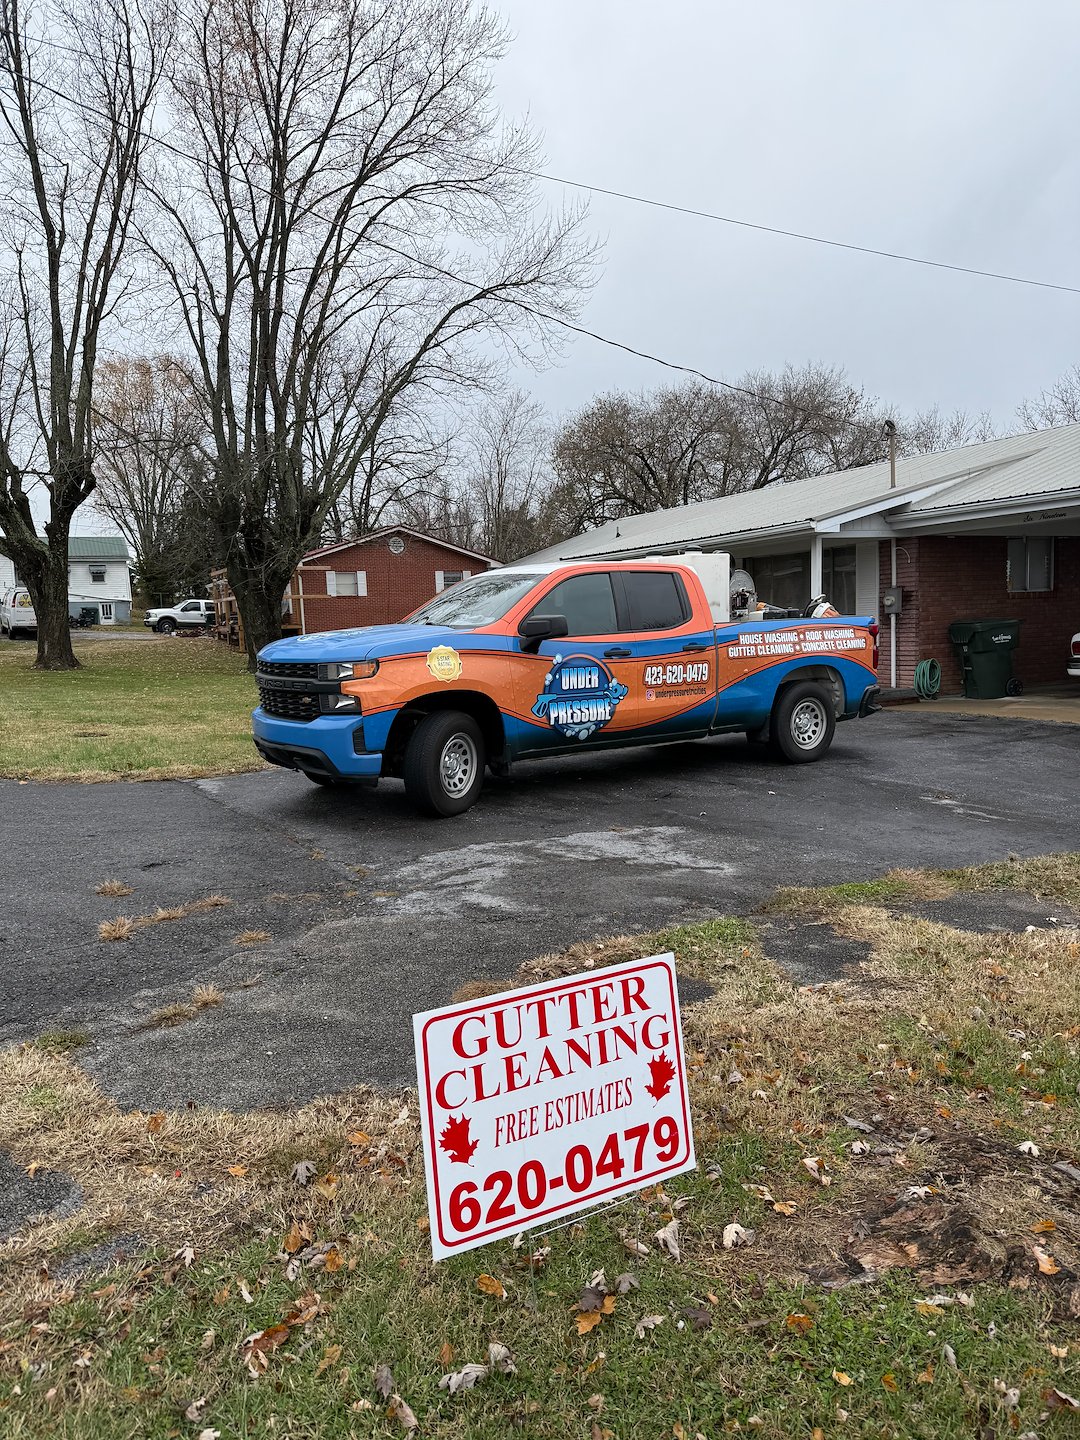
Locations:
(927, 679)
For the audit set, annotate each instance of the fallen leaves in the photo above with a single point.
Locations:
(667, 1238)
(800, 1323)
(736, 1235)
(1046, 1262)
(499, 1362)
(399, 1411)
(304, 1171)
(646, 1324)
(262, 1343)
(816, 1168)
(841, 1377)
(589, 1319)
(489, 1285)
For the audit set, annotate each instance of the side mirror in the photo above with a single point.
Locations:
(541, 627)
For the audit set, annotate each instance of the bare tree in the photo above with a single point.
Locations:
(405, 463)
(354, 225)
(1057, 405)
(628, 454)
(71, 167)
(929, 431)
(150, 468)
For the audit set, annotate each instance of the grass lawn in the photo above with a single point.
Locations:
(137, 710)
(895, 1141)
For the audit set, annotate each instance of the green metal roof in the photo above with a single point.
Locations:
(97, 547)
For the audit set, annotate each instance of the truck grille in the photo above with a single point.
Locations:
(300, 705)
(300, 670)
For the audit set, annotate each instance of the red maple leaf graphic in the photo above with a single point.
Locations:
(663, 1072)
(455, 1140)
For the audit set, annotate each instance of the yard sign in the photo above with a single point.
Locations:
(538, 1102)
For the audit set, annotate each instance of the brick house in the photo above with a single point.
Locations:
(989, 531)
(376, 580)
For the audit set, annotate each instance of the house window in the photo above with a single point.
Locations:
(97, 574)
(1030, 563)
(346, 582)
(838, 578)
(445, 578)
(782, 580)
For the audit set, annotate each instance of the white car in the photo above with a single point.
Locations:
(17, 612)
(188, 615)
(1074, 657)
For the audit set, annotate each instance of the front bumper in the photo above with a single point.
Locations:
(329, 746)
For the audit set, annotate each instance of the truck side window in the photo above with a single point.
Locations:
(587, 603)
(655, 599)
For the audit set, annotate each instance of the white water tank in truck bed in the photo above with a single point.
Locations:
(713, 569)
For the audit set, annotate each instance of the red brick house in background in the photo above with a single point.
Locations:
(990, 531)
(376, 580)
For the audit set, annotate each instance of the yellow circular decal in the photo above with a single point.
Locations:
(444, 663)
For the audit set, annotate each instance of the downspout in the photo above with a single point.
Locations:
(892, 625)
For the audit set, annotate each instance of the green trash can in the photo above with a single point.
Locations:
(984, 649)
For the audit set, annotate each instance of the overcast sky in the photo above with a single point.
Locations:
(942, 128)
(947, 130)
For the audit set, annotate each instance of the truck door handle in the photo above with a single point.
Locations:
(617, 653)
(696, 645)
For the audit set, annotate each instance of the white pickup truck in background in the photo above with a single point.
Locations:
(17, 612)
(188, 615)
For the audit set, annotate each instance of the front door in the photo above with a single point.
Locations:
(106, 612)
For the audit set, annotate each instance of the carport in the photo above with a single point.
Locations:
(987, 531)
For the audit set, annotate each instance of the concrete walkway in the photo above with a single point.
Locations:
(1059, 704)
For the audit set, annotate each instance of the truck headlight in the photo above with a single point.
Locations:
(351, 669)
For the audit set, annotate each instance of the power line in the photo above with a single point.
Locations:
(662, 205)
(307, 209)
(801, 235)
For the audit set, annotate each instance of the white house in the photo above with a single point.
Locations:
(98, 577)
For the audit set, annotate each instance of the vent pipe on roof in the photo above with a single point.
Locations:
(889, 429)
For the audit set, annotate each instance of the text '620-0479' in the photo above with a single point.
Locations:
(541, 1101)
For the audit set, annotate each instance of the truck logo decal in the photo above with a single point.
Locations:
(444, 663)
(579, 697)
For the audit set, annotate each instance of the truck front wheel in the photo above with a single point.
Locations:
(444, 763)
(803, 723)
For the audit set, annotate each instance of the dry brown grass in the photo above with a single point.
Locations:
(206, 996)
(146, 1175)
(930, 1031)
(124, 926)
(115, 888)
(1044, 876)
(168, 1015)
(477, 989)
(252, 937)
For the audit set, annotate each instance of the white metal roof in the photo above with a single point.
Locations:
(1045, 462)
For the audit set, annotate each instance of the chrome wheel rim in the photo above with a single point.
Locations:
(458, 764)
(808, 722)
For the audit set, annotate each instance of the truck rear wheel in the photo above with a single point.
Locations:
(444, 763)
(803, 723)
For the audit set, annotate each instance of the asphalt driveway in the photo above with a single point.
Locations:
(372, 913)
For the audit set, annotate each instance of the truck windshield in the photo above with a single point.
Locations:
(480, 601)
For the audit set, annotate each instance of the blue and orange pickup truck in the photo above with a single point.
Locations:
(534, 660)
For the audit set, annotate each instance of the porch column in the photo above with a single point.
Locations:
(816, 586)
